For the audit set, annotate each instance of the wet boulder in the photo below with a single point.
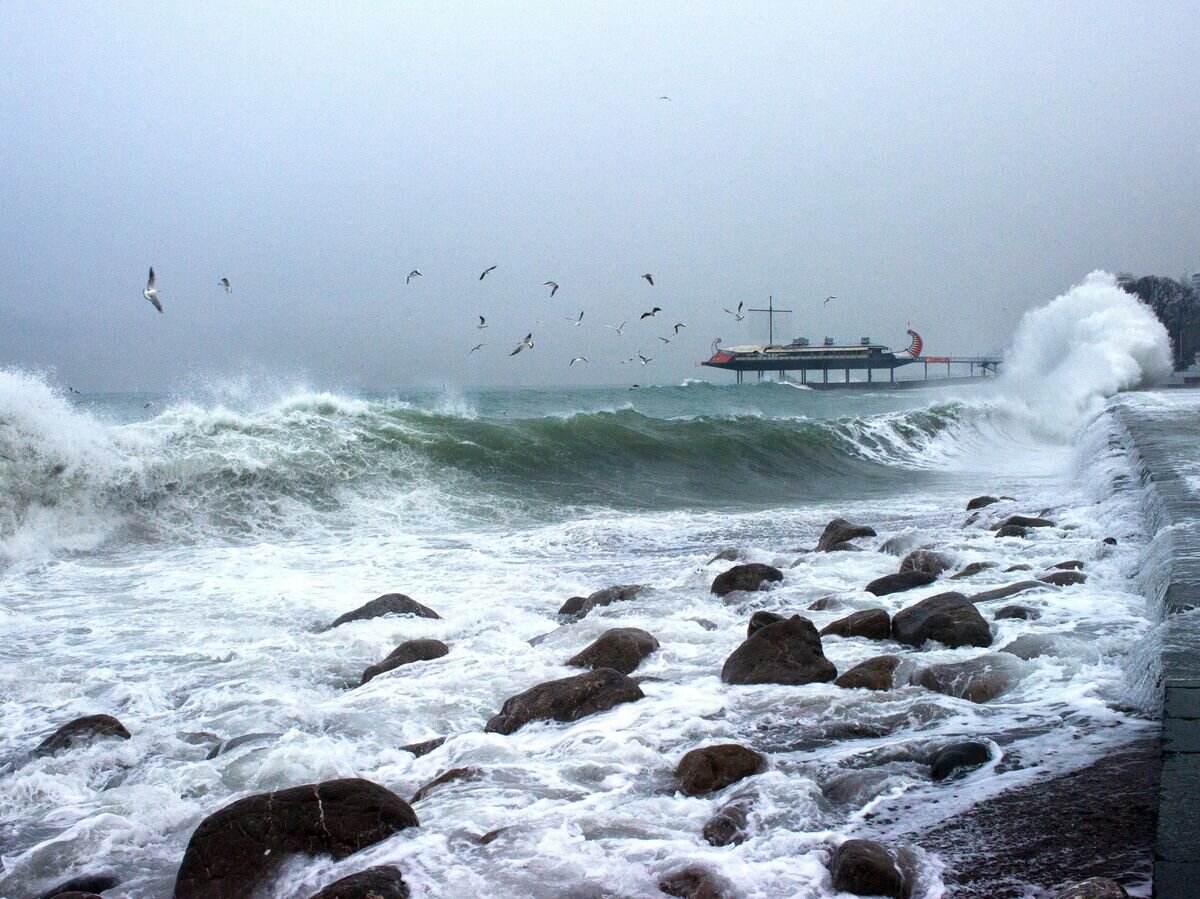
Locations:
(786, 652)
(749, 577)
(236, 850)
(566, 699)
(694, 882)
(841, 531)
(444, 778)
(979, 680)
(711, 768)
(874, 624)
(730, 825)
(1024, 613)
(1011, 530)
(84, 885)
(873, 674)
(732, 554)
(844, 547)
(388, 604)
(896, 583)
(380, 882)
(959, 757)
(980, 502)
(948, 618)
(233, 743)
(825, 602)
(973, 569)
(926, 560)
(1063, 578)
(76, 894)
(621, 648)
(1023, 521)
(1006, 591)
(578, 606)
(425, 747)
(759, 620)
(1069, 565)
(1093, 888)
(405, 654)
(80, 731)
(866, 868)
(900, 545)
(1020, 567)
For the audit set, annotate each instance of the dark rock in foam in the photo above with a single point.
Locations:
(841, 531)
(980, 501)
(405, 654)
(896, 583)
(578, 606)
(380, 882)
(959, 757)
(874, 624)
(866, 868)
(388, 604)
(749, 577)
(621, 648)
(948, 618)
(786, 652)
(235, 851)
(444, 778)
(873, 674)
(566, 699)
(926, 560)
(713, 768)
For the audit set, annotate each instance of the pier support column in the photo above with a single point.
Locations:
(870, 374)
(847, 376)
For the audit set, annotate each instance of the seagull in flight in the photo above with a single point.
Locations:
(553, 285)
(482, 323)
(224, 282)
(649, 277)
(617, 328)
(73, 390)
(577, 359)
(151, 292)
(527, 343)
(485, 271)
(827, 299)
(415, 273)
(644, 359)
(653, 312)
(478, 346)
(665, 339)
(665, 97)
(737, 316)
(679, 325)
(576, 321)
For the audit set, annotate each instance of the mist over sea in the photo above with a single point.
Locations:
(175, 565)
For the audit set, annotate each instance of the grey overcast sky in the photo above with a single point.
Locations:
(944, 164)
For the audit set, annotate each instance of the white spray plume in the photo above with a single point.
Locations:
(1092, 342)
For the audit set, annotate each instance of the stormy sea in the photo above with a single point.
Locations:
(176, 561)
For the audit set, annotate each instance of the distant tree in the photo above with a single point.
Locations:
(1177, 307)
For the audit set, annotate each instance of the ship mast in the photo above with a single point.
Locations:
(771, 313)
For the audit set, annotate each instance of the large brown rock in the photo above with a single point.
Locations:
(1069, 565)
(866, 868)
(1012, 530)
(1006, 591)
(566, 699)
(874, 624)
(840, 531)
(405, 654)
(873, 674)
(759, 620)
(1023, 521)
(82, 730)
(926, 560)
(958, 757)
(425, 747)
(83, 885)
(948, 618)
(694, 882)
(786, 652)
(578, 606)
(895, 583)
(1063, 578)
(980, 501)
(380, 882)
(234, 851)
(712, 768)
(388, 604)
(621, 648)
(980, 679)
(444, 778)
(1093, 888)
(971, 570)
(1014, 611)
(730, 825)
(748, 577)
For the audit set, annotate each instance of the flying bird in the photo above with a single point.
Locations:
(577, 321)
(577, 359)
(224, 282)
(148, 405)
(649, 277)
(73, 390)
(827, 299)
(737, 316)
(553, 285)
(665, 339)
(664, 97)
(527, 343)
(151, 292)
(415, 273)
(679, 325)
(482, 323)
(617, 328)
(653, 312)
(644, 359)
(485, 271)
(478, 346)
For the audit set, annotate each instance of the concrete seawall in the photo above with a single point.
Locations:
(1163, 444)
